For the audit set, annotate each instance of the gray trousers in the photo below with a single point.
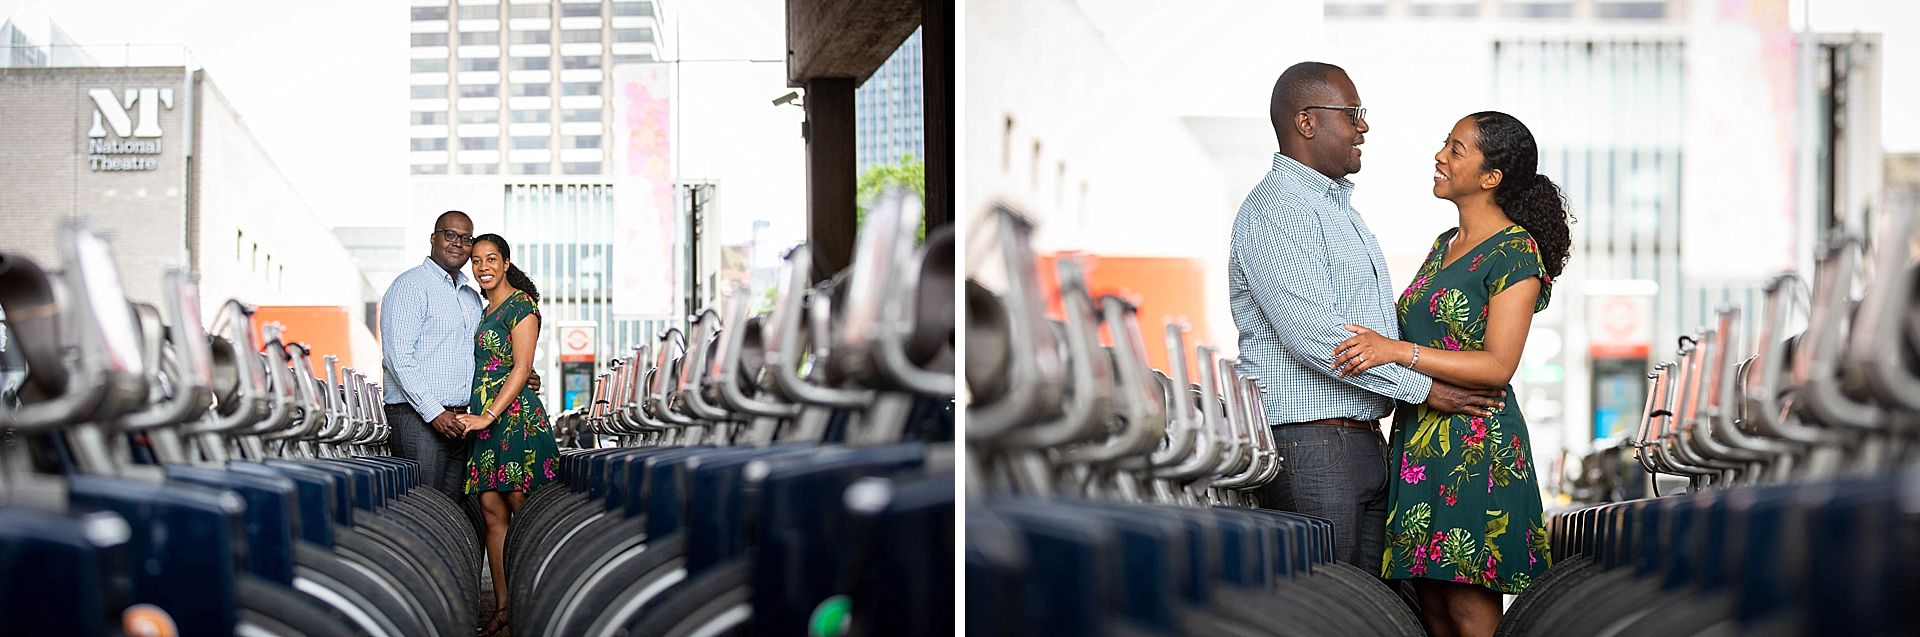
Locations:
(443, 460)
(1337, 473)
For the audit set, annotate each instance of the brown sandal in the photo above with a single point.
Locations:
(496, 623)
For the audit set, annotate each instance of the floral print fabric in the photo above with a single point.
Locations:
(518, 452)
(1464, 505)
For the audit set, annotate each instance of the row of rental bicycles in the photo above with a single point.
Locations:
(1798, 446)
(788, 473)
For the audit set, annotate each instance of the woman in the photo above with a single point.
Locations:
(512, 449)
(1464, 521)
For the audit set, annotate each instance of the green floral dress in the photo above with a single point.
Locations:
(1463, 505)
(516, 453)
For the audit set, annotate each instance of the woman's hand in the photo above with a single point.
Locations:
(471, 422)
(1367, 349)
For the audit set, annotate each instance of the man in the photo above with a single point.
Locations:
(427, 323)
(1302, 266)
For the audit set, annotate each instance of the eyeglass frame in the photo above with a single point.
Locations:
(448, 234)
(1355, 114)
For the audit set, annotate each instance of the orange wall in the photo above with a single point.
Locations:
(1162, 287)
(325, 330)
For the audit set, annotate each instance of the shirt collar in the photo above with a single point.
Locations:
(1340, 189)
(457, 277)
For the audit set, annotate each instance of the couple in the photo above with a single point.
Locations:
(1448, 499)
(460, 387)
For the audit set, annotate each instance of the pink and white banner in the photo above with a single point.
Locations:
(644, 243)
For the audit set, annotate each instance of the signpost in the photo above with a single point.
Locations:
(1620, 337)
(578, 341)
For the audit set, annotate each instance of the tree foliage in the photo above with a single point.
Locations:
(910, 171)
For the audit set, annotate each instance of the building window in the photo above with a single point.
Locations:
(480, 38)
(479, 117)
(429, 39)
(479, 64)
(429, 118)
(532, 37)
(479, 169)
(533, 117)
(580, 62)
(425, 143)
(1356, 9)
(531, 90)
(532, 64)
(581, 141)
(479, 143)
(429, 91)
(632, 58)
(579, 10)
(480, 12)
(529, 143)
(532, 11)
(480, 90)
(429, 169)
(633, 8)
(1630, 10)
(580, 168)
(577, 36)
(580, 88)
(580, 115)
(633, 35)
(1444, 10)
(430, 65)
(1537, 9)
(429, 14)
(531, 169)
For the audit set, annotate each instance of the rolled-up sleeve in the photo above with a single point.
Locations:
(403, 311)
(1283, 261)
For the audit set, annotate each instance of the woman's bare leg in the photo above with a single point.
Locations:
(1433, 607)
(494, 506)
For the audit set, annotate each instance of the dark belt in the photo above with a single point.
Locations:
(1367, 425)
(458, 409)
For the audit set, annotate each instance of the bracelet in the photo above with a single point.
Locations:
(489, 411)
(1416, 356)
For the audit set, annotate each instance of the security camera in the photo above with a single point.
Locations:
(789, 98)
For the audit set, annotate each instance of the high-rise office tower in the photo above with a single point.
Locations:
(521, 88)
(888, 109)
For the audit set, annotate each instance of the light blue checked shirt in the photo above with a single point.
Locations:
(1302, 266)
(427, 321)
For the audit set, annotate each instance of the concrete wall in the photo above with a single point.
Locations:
(46, 180)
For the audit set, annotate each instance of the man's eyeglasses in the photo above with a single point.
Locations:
(1354, 113)
(455, 237)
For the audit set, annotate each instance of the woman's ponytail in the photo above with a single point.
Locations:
(1528, 197)
(519, 280)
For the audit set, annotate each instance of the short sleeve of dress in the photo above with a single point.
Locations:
(518, 308)
(1514, 259)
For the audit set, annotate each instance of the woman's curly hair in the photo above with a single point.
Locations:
(1528, 197)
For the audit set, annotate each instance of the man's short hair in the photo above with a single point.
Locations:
(1298, 87)
(440, 221)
